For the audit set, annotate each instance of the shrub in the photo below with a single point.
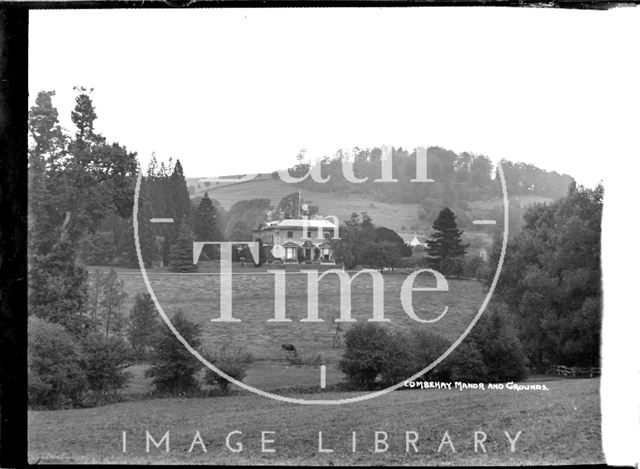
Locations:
(55, 375)
(364, 354)
(428, 347)
(399, 359)
(234, 361)
(173, 368)
(105, 359)
(465, 364)
(502, 351)
(408, 352)
(474, 267)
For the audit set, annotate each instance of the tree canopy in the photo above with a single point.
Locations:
(551, 280)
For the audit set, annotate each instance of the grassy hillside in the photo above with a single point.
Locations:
(253, 303)
(391, 215)
(402, 218)
(559, 426)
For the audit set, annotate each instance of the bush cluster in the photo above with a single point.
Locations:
(55, 375)
(234, 361)
(66, 372)
(375, 356)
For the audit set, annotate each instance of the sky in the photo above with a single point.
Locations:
(242, 91)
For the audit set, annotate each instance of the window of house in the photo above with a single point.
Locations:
(289, 234)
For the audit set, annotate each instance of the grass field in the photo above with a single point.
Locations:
(559, 426)
(253, 303)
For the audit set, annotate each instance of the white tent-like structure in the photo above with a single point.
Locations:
(415, 242)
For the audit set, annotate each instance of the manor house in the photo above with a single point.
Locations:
(286, 240)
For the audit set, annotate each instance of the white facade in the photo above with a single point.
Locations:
(301, 239)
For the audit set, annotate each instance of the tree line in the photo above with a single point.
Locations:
(464, 176)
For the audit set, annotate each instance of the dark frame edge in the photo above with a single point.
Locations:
(13, 236)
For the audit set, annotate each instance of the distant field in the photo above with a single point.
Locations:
(393, 216)
(559, 426)
(253, 304)
(396, 216)
(523, 200)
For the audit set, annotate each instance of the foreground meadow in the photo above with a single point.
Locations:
(559, 426)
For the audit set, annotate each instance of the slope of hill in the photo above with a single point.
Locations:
(394, 216)
(400, 217)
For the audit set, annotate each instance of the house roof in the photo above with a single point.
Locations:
(296, 223)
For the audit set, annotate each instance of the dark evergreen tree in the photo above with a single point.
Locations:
(143, 325)
(173, 202)
(180, 201)
(58, 288)
(446, 244)
(173, 368)
(105, 360)
(181, 256)
(205, 225)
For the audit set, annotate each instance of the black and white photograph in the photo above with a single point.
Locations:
(331, 236)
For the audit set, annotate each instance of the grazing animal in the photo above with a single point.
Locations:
(288, 348)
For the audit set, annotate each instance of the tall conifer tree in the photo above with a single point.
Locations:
(181, 256)
(205, 225)
(176, 204)
(445, 244)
